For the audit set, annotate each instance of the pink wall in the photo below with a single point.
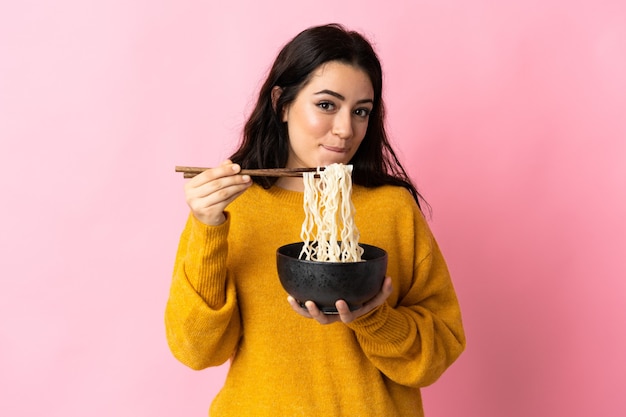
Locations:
(511, 116)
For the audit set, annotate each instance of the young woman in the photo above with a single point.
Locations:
(321, 104)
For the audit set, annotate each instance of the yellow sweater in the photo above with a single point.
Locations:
(226, 302)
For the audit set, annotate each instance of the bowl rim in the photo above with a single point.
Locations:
(364, 245)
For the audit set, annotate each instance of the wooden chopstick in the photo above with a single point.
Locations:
(190, 172)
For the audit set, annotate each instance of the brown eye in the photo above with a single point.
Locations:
(326, 105)
(364, 112)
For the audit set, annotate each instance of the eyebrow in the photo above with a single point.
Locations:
(342, 98)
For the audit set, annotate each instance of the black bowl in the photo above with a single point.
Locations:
(326, 282)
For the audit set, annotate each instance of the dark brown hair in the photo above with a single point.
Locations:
(265, 142)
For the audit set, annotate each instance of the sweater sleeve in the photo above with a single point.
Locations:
(416, 340)
(201, 316)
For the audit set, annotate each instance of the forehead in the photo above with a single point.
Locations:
(341, 77)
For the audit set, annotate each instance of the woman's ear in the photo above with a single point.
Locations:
(276, 92)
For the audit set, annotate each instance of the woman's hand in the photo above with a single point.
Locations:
(209, 192)
(345, 315)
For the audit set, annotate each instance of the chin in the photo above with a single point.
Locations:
(327, 162)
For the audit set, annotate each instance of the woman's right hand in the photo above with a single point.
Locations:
(209, 192)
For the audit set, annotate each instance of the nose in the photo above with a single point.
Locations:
(342, 124)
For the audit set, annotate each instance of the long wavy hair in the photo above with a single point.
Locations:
(265, 142)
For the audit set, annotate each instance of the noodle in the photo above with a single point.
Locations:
(329, 233)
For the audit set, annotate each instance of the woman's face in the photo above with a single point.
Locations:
(328, 119)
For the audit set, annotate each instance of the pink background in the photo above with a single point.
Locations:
(510, 115)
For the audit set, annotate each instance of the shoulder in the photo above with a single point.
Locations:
(386, 197)
(389, 207)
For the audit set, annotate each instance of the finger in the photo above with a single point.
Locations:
(225, 169)
(218, 191)
(210, 209)
(218, 184)
(387, 287)
(345, 315)
(312, 309)
(209, 199)
(318, 315)
(344, 310)
(297, 308)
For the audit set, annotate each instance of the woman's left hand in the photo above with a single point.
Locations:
(345, 315)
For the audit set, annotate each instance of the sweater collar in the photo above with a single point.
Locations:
(286, 196)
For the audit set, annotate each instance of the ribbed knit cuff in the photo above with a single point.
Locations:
(381, 327)
(205, 265)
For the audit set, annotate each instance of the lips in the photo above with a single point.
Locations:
(335, 149)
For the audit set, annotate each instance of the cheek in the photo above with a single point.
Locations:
(309, 122)
(360, 129)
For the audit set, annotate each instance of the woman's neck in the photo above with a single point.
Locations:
(291, 183)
